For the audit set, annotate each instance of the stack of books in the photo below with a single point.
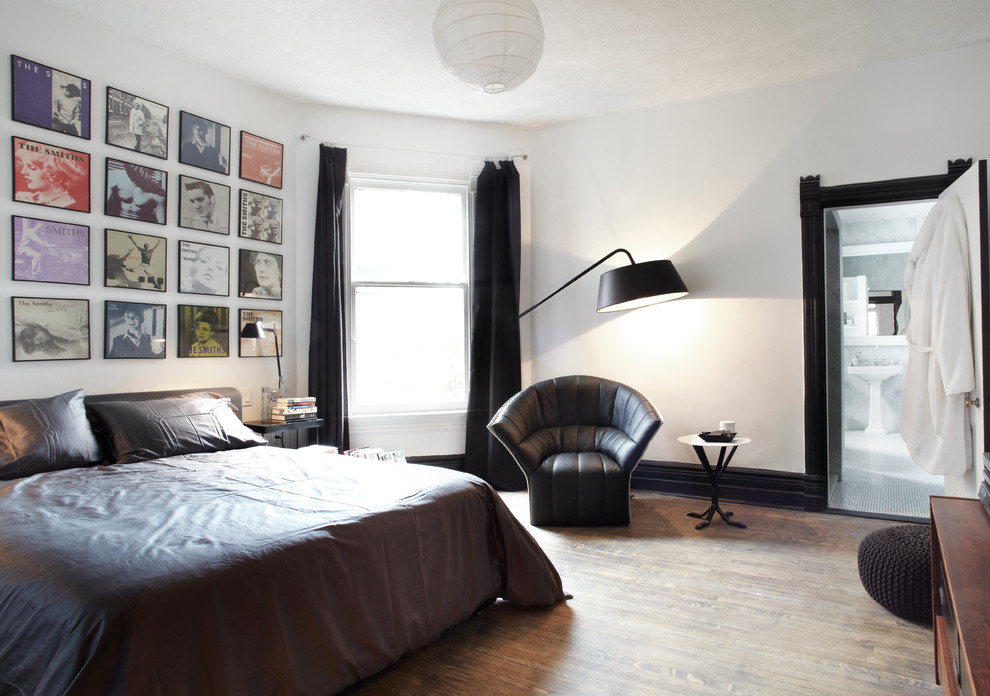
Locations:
(377, 453)
(292, 409)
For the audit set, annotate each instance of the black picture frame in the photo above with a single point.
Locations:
(137, 123)
(204, 205)
(261, 347)
(49, 328)
(204, 331)
(134, 260)
(136, 192)
(261, 160)
(259, 274)
(204, 143)
(49, 175)
(260, 217)
(49, 98)
(204, 269)
(133, 330)
(46, 251)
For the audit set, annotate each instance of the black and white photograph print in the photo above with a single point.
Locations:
(204, 332)
(134, 261)
(261, 347)
(204, 269)
(134, 330)
(46, 251)
(261, 217)
(204, 143)
(47, 328)
(204, 205)
(260, 274)
(136, 123)
(136, 192)
(49, 98)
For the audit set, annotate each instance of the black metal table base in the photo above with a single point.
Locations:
(714, 475)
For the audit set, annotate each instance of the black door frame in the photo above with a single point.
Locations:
(815, 199)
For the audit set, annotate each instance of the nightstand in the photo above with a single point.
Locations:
(273, 430)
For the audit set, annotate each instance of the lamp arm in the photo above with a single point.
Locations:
(590, 268)
(278, 362)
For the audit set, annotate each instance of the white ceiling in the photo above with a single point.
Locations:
(600, 56)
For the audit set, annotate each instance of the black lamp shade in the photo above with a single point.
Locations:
(253, 329)
(638, 285)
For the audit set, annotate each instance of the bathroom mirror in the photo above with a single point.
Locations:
(883, 311)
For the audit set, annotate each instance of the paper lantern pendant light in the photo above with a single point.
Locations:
(489, 45)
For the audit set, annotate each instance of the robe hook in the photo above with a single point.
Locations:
(973, 402)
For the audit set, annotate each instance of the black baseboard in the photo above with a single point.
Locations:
(756, 486)
(447, 461)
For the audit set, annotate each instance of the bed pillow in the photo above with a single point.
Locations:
(45, 435)
(139, 430)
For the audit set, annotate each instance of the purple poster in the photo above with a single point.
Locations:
(49, 98)
(50, 252)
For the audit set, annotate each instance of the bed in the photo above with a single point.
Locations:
(192, 559)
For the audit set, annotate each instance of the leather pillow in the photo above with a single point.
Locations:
(45, 435)
(140, 430)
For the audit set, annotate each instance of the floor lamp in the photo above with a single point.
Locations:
(630, 287)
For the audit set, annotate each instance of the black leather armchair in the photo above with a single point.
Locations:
(577, 440)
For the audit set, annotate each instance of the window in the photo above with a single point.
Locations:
(409, 296)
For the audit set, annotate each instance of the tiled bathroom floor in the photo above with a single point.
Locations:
(879, 477)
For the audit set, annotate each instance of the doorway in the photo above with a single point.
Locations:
(870, 471)
(824, 347)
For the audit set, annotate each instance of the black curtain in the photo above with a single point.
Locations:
(495, 354)
(327, 337)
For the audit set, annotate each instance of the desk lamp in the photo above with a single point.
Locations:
(256, 329)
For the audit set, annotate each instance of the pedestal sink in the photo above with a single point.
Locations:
(875, 375)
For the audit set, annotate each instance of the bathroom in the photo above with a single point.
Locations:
(873, 474)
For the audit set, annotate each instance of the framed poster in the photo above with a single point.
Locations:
(261, 160)
(136, 192)
(204, 269)
(133, 330)
(50, 252)
(50, 175)
(134, 261)
(205, 143)
(204, 332)
(47, 328)
(261, 347)
(260, 274)
(261, 217)
(49, 98)
(138, 124)
(204, 205)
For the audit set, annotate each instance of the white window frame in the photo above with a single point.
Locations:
(436, 412)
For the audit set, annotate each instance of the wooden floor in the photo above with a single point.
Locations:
(661, 608)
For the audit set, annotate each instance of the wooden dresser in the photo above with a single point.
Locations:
(961, 595)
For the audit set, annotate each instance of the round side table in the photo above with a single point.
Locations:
(725, 452)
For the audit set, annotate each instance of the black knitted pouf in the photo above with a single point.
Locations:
(895, 566)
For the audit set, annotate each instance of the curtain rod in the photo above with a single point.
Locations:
(304, 136)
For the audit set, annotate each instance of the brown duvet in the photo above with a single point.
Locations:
(258, 571)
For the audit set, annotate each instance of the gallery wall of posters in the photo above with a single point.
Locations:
(63, 247)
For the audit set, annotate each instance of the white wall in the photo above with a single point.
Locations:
(713, 186)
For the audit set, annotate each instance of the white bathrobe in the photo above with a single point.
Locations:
(940, 371)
